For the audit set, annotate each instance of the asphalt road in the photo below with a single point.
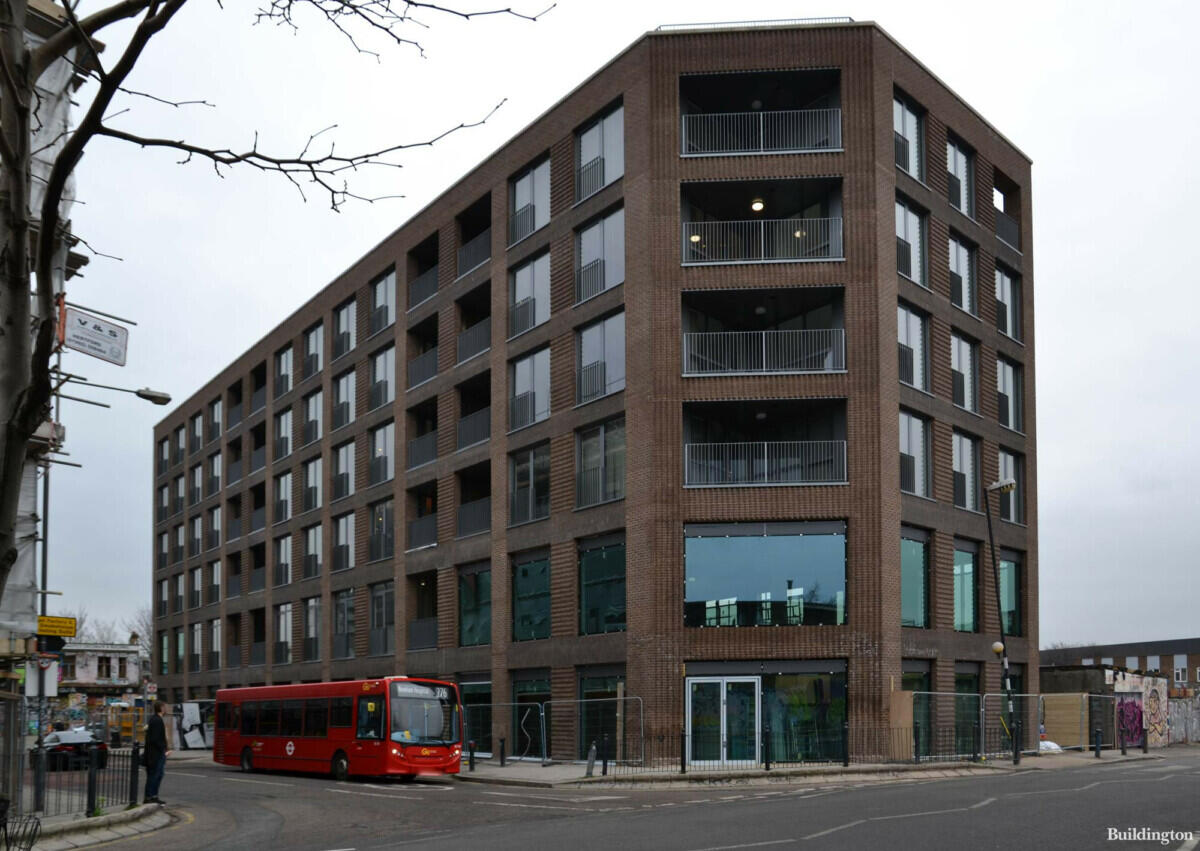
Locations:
(220, 808)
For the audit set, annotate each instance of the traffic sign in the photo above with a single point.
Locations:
(64, 627)
(151, 689)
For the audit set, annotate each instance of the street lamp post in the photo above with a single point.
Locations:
(1000, 648)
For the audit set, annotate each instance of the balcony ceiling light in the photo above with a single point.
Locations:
(694, 237)
(760, 416)
(800, 234)
(756, 104)
(759, 310)
(757, 205)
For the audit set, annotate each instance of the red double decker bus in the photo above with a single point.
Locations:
(392, 726)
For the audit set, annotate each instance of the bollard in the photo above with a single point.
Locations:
(604, 758)
(1097, 739)
(683, 751)
(1121, 736)
(502, 752)
(1016, 733)
(39, 779)
(135, 761)
(1145, 740)
(591, 759)
(471, 755)
(916, 744)
(767, 748)
(845, 744)
(977, 744)
(93, 760)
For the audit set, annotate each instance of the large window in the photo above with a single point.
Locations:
(600, 153)
(343, 624)
(1010, 592)
(342, 475)
(312, 484)
(914, 577)
(342, 531)
(1008, 303)
(601, 586)
(908, 131)
(383, 378)
(283, 634)
(1009, 395)
(910, 242)
(314, 404)
(960, 177)
(764, 574)
(529, 378)
(283, 371)
(965, 586)
(964, 357)
(381, 540)
(314, 350)
(912, 332)
(283, 497)
(343, 399)
(383, 301)
(312, 551)
(312, 628)
(1012, 503)
(475, 604)
(529, 295)
(914, 454)
(531, 597)
(383, 619)
(383, 454)
(344, 328)
(529, 484)
(528, 201)
(600, 256)
(601, 358)
(963, 290)
(965, 464)
(600, 463)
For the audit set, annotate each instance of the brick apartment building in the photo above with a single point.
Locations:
(617, 414)
(1177, 659)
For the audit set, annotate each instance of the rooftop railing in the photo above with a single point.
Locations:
(761, 132)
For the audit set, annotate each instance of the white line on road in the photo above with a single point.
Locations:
(747, 845)
(560, 799)
(259, 782)
(186, 774)
(834, 829)
(530, 806)
(409, 787)
(375, 795)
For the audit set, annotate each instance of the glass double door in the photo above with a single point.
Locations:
(723, 720)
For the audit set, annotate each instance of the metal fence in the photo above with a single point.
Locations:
(90, 783)
(794, 462)
(764, 131)
(762, 240)
(725, 352)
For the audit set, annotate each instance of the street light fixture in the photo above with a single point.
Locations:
(157, 397)
(1000, 648)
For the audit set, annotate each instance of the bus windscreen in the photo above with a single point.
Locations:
(423, 714)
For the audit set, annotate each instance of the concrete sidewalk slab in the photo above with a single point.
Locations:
(64, 832)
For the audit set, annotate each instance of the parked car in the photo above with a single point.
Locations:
(67, 749)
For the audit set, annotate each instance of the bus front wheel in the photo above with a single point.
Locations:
(247, 760)
(340, 768)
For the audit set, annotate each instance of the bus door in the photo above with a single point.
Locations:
(369, 751)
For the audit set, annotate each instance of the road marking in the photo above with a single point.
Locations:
(982, 803)
(1190, 845)
(408, 787)
(531, 806)
(747, 845)
(186, 774)
(374, 795)
(570, 800)
(259, 782)
(834, 829)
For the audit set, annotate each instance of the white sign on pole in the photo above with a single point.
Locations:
(31, 680)
(95, 336)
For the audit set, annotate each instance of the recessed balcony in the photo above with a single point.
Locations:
(764, 443)
(780, 221)
(773, 112)
(748, 332)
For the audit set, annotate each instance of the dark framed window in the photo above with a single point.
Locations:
(914, 577)
(341, 712)
(1009, 565)
(966, 591)
(531, 597)
(529, 484)
(475, 604)
(601, 586)
(914, 454)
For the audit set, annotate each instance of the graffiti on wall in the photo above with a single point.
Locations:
(1156, 711)
(1185, 720)
(1130, 723)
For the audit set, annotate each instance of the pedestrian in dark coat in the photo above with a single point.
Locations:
(156, 753)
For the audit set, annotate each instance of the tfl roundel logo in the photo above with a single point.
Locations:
(290, 748)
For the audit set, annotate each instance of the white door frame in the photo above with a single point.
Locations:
(724, 682)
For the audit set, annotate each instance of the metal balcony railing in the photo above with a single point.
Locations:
(214, 485)
(258, 579)
(475, 427)
(422, 633)
(283, 652)
(258, 458)
(422, 532)
(520, 224)
(194, 662)
(381, 641)
(594, 485)
(422, 450)
(474, 517)
(312, 649)
(1008, 230)
(234, 586)
(522, 410)
(258, 652)
(258, 518)
(589, 178)
(176, 554)
(214, 539)
(312, 565)
(340, 557)
(475, 340)
(283, 573)
(475, 252)
(900, 143)
(214, 660)
(761, 132)
(423, 287)
(525, 505)
(258, 398)
(733, 352)
(235, 528)
(194, 547)
(380, 545)
(343, 645)
(808, 462)
(233, 657)
(235, 415)
(521, 316)
(341, 414)
(214, 594)
(422, 368)
(234, 471)
(379, 470)
(592, 382)
(339, 484)
(214, 431)
(381, 317)
(283, 446)
(283, 383)
(379, 394)
(311, 365)
(589, 280)
(762, 241)
(177, 603)
(193, 599)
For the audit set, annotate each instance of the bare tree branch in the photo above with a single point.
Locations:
(314, 168)
(61, 43)
(85, 39)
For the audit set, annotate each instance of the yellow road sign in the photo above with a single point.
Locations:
(64, 627)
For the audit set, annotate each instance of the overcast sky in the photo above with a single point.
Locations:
(1100, 95)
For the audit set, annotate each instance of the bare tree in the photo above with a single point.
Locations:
(33, 241)
(142, 622)
(95, 630)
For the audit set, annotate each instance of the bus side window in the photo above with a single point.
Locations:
(291, 719)
(341, 712)
(316, 716)
(223, 721)
(250, 719)
(370, 716)
(268, 718)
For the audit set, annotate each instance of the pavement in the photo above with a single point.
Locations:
(63, 833)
